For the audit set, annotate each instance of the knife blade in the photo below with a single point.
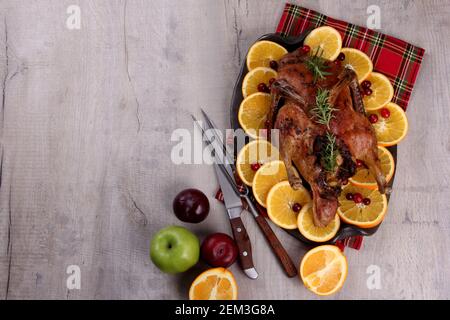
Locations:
(234, 209)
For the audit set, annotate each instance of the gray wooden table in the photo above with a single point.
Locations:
(86, 122)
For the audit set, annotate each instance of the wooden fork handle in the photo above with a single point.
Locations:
(277, 247)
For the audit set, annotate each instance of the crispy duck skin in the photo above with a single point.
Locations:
(302, 138)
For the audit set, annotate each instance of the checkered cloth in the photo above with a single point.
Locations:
(398, 60)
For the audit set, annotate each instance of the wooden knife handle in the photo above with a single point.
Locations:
(243, 243)
(277, 247)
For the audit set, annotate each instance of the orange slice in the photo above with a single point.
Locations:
(324, 270)
(358, 61)
(382, 91)
(254, 154)
(214, 284)
(305, 224)
(266, 177)
(361, 215)
(392, 130)
(363, 178)
(280, 204)
(253, 112)
(326, 41)
(262, 52)
(254, 78)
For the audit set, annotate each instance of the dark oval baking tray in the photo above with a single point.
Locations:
(292, 43)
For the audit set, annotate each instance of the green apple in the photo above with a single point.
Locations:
(174, 249)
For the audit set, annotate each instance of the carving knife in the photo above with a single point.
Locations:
(234, 208)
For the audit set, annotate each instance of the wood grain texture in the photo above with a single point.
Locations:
(86, 123)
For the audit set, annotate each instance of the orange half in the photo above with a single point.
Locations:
(214, 284)
(324, 269)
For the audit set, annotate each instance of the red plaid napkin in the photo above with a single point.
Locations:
(398, 60)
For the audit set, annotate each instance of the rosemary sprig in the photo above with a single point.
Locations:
(329, 153)
(317, 65)
(323, 111)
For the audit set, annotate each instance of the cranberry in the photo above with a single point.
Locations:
(349, 196)
(296, 207)
(262, 87)
(373, 118)
(385, 113)
(366, 84)
(306, 49)
(359, 163)
(367, 91)
(341, 57)
(273, 64)
(357, 198)
(337, 62)
(366, 201)
(255, 166)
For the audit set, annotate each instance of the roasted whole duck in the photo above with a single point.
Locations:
(323, 130)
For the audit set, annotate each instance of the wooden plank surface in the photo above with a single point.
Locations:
(87, 117)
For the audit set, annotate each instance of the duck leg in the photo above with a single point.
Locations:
(281, 88)
(287, 149)
(362, 139)
(373, 163)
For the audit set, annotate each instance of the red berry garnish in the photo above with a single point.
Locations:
(337, 62)
(262, 87)
(359, 163)
(349, 196)
(255, 166)
(373, 118)
(296, 207)
(306, 49)
(274, 65)
(358, 198)
(341, 57)
(366, 201)
(367, 91)
(385, 113)
(366, 84)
